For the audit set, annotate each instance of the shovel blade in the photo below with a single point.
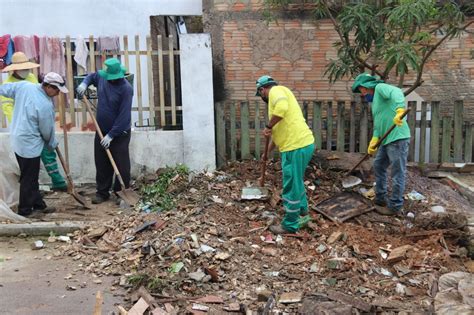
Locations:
(254, 193)
(129, 196)
(350, 181)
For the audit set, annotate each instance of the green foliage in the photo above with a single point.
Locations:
(157, 194)
(384, 36)
(137, 280)
(155, 284)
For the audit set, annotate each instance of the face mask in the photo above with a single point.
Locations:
(369, 98)
(23, 73)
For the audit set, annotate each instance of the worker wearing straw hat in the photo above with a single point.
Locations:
(20, 70)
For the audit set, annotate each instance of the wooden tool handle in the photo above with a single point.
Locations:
(264, 161)
(101, 136)
(379, 142)
(65, 167)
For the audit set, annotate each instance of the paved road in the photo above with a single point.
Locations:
(33, 282)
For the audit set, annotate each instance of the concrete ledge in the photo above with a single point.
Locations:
(40, 228)
(149, 150)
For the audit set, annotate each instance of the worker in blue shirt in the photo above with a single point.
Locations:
(114, 110)
(32, 129)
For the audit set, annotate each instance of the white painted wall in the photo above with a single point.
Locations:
(198, 101)
(88, 17)
(149, 150)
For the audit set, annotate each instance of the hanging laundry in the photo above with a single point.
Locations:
(81, 53)
(108, 45)
(28, 45)
(6, 50)
(52, 59)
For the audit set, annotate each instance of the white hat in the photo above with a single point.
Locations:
(52, 78)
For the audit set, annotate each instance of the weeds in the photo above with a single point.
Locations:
(157, 195)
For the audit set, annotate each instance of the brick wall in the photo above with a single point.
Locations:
(295, 51)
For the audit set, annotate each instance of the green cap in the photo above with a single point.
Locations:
(112, 69)
(365, 80)
(264, 80)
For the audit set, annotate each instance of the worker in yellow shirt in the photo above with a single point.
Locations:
(21, 71)
(295, 141)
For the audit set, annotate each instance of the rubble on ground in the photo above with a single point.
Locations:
(213, 253)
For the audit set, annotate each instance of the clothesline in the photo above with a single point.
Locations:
(50, 51)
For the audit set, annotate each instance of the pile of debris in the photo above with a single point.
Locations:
(214, 253)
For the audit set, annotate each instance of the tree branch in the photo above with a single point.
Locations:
(428, 54)
(345, 41)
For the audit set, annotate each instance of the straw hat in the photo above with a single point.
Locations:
(20, 62)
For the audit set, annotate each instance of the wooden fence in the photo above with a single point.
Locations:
(161, 110)
(346, 126)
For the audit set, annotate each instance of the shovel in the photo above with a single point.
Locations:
(351, 181)
(70, 186)
(127, 194)
(252, 193)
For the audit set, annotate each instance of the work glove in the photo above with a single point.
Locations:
(372, 149)
(397, 119)
(106, 141)
(81, 90)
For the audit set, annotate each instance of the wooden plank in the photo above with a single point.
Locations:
(160, 80)
(220, 133)
(317, 124)
(3, 120)
(91, 54)
(244, 131)
(340, 137)
(350, 300)
(98, 303)
(398, 254)
(126, 53)
(434, 132)
(63, 122)
(305, 110)
(70, 81)
(257, 130)
(138, 79)
(233, 134)
(364, 127)
(329, 127)
(151, 97)
(423, 132)
(458, 124)
(446, 140)
(352, 127)
(411, 117)
(468, 142)
(172, 83)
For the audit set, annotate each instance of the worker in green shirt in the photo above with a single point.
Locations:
(21, 71)
(290, 133)
(388, 105)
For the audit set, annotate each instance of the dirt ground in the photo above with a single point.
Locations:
(214, 252)
(214, 245)
(41, 282)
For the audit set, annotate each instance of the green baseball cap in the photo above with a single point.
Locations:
(112, 69)
(365, 80)
(264, 80)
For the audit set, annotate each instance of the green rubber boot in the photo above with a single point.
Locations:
(51, 165)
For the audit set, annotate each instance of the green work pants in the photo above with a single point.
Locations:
(51, 165)
(294, 164)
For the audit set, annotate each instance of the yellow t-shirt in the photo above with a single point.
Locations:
(7, 103)
(291, 132)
